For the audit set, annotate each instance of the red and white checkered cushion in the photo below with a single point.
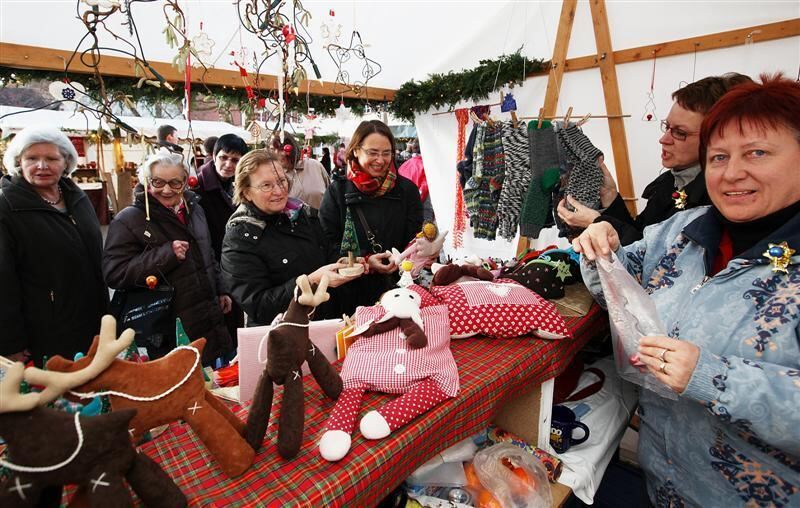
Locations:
(427, 299)
(501, 309)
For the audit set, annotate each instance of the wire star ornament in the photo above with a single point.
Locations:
(354, 52)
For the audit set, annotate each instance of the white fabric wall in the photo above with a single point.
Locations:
(632, 24)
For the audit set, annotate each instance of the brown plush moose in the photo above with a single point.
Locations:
(163, 391)
(288, 346)
(48, 448)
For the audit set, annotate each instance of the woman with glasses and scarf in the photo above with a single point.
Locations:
(270, 240)
(681, 187)
(165, 234)
(384, 207)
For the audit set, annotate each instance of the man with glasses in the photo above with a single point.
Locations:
(680, 188)
(215, 188)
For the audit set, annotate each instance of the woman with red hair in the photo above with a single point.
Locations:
(726, 282)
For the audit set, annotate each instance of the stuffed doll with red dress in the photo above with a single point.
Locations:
(402, 349)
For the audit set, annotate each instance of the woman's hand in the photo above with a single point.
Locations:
(377, 265)
(599, 238)
(581, 217)
(225, 303)
(344, 262)
(179, 247)
(335, 279)
(671, 361)
(608, 191)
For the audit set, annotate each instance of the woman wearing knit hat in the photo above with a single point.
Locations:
(53, 294)
(680, 188)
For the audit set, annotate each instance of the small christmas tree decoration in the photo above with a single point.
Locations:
(350, 247)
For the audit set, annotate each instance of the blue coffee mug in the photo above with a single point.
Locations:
(562, 423)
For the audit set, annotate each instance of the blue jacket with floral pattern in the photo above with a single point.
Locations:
(732, 437)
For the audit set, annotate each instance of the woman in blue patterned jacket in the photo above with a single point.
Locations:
(726, 282)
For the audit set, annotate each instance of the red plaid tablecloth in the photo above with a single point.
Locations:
(491, 370)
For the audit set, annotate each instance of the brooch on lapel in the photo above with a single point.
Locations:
(779, 254)
(679, 197)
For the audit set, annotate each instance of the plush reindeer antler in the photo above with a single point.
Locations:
(57, 383)
(10, 398)
(309, 298)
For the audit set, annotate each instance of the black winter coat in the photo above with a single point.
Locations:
(216, 204)
(135, 249)
(263, 254)
(660, 206)
(52, 293)
(394, 218)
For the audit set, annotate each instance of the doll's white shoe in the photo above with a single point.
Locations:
(374, 426)
(334, 445)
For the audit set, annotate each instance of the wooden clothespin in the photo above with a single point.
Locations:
(474, 117)
(514, 120)
(584, 119)
(488, 119)
(541, 118)
(566, 118)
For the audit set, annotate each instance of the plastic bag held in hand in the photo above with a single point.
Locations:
(515, 478)
(632, 315)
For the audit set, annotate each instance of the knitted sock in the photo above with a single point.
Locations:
(518, 176)
(544, 156)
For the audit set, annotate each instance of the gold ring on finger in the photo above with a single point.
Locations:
(663, 368)
(662, 355)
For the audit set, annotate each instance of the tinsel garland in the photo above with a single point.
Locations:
(467, 85)
(225, 98)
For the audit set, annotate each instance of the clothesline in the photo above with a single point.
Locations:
(556, 117)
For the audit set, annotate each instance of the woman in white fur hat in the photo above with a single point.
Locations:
(53, 294)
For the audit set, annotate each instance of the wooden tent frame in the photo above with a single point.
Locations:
(607, 59)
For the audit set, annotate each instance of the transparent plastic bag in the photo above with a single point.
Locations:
(632, 315)
(514, 477)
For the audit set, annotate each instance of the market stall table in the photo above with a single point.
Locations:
(492, 371)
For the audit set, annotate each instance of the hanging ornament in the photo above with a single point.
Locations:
(508, 103)
(103, 4)
(330, 31)
(203, 46)
(779, 254)
(288, 33)
(354, 54)
(246, 80)
(650, 106)
(71, 92)
(343, 112)
(192, 181)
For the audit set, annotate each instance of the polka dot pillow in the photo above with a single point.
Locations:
(501, 309)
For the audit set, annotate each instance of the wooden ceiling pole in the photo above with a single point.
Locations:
(608, 75)
(555, 74)
(21, 56)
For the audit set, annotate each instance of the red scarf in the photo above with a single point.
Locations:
(369, 185)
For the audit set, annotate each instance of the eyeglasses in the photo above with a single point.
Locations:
(374, 154)
(268, 187)
(675, 132)
(159, 183)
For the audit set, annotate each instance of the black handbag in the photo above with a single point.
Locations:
(150, 313)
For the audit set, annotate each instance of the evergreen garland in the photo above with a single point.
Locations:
(468, 85)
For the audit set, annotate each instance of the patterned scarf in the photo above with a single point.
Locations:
(292, 208)
(369, 185)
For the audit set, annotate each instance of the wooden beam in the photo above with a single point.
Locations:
(33, 57)
(719, 40)
(556, 71)
(608, 75)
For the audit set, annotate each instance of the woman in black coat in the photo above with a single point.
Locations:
(173, 245)
(381, 201)
(52, 293)
(271, 240)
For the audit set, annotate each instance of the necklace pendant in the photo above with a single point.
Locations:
(680, 199)
(779, 255)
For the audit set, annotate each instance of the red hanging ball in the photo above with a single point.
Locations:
(192, 181)
(287, 149)
(675, 195)
(649, 117)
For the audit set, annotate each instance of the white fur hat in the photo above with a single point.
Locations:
(33, 135)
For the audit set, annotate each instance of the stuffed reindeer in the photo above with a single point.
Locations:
(48, 448)
(288, 346)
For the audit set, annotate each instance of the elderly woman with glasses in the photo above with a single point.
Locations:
(681, 187)
(725, 281)
(385, 208)
(52, 293)
(270, 240)
(165, 234)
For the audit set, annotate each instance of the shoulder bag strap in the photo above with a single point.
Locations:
(376, 247)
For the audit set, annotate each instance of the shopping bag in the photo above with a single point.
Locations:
(632, 315)
(150, 313)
